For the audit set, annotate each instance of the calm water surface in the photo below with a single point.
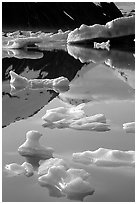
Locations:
(103, 86)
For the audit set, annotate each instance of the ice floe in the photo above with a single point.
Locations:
(17, 169)
(17, 82)
(129, 127)
(106, 158)
(71, 182)
(32, 148)
(123, 26)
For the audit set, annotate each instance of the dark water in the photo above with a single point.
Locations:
(104, 81)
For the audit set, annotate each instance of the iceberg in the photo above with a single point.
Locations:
(119, 27)
(17, 169)
(106, 158)
(17, 82)
(103, 45)
(32, 148)
(71, 182)
(129, 127)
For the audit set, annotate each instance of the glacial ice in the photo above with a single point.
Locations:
(32, 148)
(123, 26)
(17, 169)
(129, 127)
(17, 82)
(71, 182)
(106, 158)
(74, 118)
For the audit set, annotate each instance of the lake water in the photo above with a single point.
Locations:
(104, 87)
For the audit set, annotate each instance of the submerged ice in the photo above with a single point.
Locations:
(106, 158)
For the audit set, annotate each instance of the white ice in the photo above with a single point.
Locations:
(74, 118)
(106, 158)
(129, 127)
(116, 28)
(17, 169)
(69, 182)
(32, 147)
(60, 84)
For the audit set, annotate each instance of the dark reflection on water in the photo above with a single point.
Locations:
(71, 62)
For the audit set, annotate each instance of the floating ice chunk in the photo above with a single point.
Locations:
(46, 165)
(123, 26)
(75, 119)
(94, 126)
(129, 127)
(60, 84)
(31, 147)
(28, 168)
(106, 157)
(71, 182)
(103, 45)
(60, 113)
(17, 169)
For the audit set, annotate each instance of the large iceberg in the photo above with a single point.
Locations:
(119, 27)
(17, 82)
(106, 158)
(32, 148)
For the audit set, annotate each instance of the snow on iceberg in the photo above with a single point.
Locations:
(17, 82)
(106, 158)
(71, 182)
(32, 148)
(123, 26)
(129, 127)
(17, 169)
(74, 118)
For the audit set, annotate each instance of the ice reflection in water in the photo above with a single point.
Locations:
(92, 82)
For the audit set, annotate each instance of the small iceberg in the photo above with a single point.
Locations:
(72, 182)
(106, 158)
(17, 169)
(103, 45)
(129, 127)
(32, 148)
(60, 84)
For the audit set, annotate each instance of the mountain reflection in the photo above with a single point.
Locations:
(95, 75)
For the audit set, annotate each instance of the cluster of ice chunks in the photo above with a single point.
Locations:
(55, 172)
(74, 118)
(22, 39)
(52, 172)
(17, 82)
(129, 127)
(123, 26)
(105, 158)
